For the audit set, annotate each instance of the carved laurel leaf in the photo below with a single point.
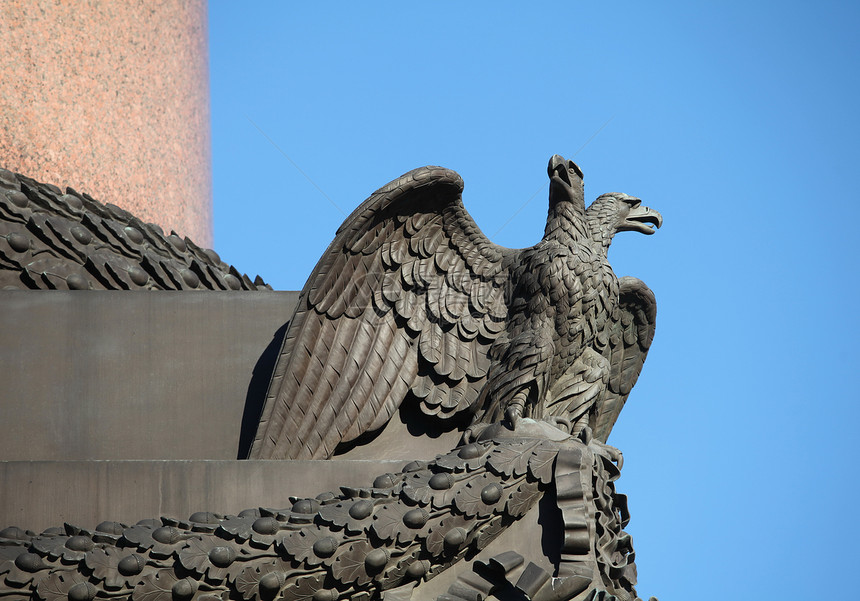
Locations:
(443, 498)
(435, 541)
(451, 462)
(140, 535)
(468, 498)
(511, 459)
(388, 522)
(239, 527)
(355, 516)
(417, 488)
(35, 570)
(349, 566)
(394, 574)
(158, 586)
(526, 494)
(541, 462)
(248, 582)
(56, 587)
(195, 555)
(8, 562)
(489, 531)
(9, 553)
(468, 457)
(304, 588)
(300, 544)
(52, 546)
(103, 563)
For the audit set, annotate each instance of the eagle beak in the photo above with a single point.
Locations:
(563, 169)
(565, 181)
(641, 219)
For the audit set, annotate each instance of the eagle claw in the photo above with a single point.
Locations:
(613, 453)
(514, 413)
(586, 435)
(562, 423)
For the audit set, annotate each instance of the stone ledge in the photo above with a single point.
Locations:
(40, 494)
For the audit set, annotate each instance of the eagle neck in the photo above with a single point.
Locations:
(566, 223)
(600, 231)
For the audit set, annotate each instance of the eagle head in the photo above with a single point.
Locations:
(617, 212)
(565, 182)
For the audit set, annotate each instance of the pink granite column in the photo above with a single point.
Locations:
(111, 97)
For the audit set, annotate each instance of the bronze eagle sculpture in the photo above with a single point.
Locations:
(412, 303)
(411, 307)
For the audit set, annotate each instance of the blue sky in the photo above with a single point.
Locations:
(739, 123)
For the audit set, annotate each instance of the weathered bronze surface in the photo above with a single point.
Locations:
(412, 312)
(53, 240)
(382, 541)
(411, 304)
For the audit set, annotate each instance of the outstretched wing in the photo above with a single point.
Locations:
(629, 340)
(405, 302)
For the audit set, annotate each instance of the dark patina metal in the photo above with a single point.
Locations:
(412, 316)
(412, 305)
(55, 240)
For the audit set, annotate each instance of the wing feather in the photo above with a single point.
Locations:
(628, 346)
(330, 370)
(408, 297)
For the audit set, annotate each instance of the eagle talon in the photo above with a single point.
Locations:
(586, 435)
(514, 413)
(562, 423)
(612, 452)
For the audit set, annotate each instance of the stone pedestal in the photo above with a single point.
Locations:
(122, 406)
(105, 375)
(131, 405)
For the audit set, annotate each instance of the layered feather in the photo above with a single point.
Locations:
(405, 303)
(412, 303)
(627, 342)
